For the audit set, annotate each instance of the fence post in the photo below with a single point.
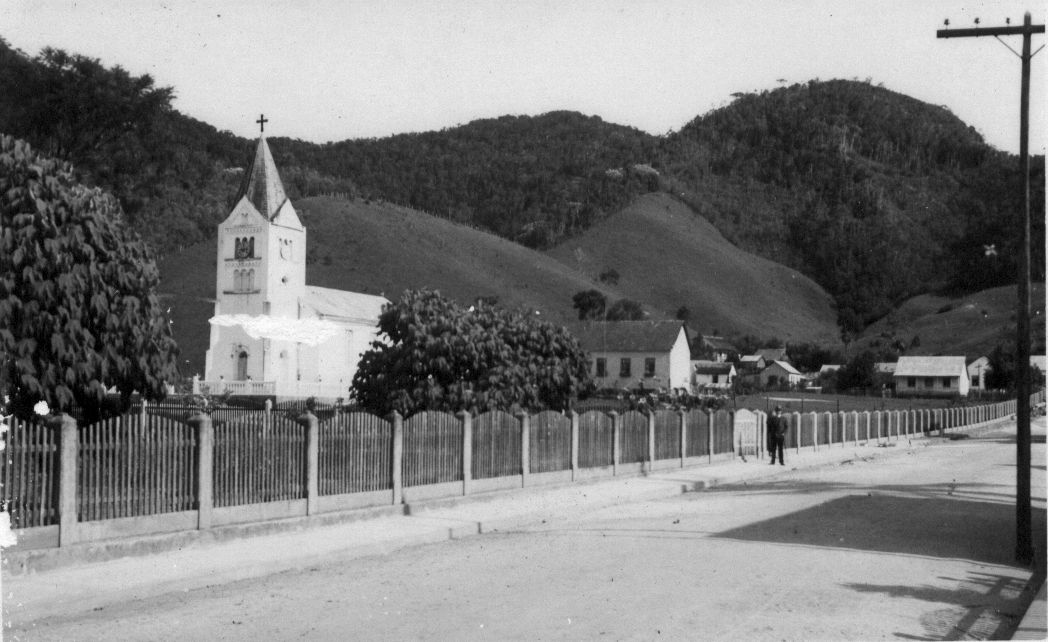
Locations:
(205, 451)
(683, 417)
(616, 450)
(709, 435)
(574, 445)
(798, 424)
(525, 448)
(844, 428)
(312, 426)
(467, 450)
(68, 446)
(731, 432)
(651, 440)
(398, 457)
(815, 430)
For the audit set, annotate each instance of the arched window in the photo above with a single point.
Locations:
(251, 248)
(249, 281)
(242, 366)
(238, 280)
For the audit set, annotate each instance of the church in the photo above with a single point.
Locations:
(272, 335)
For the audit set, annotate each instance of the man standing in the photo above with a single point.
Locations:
(777, 427)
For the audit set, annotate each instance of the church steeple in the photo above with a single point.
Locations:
(262, 184)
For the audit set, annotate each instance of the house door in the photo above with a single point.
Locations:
(242, 366)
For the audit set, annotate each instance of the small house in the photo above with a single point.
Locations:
(637, 354)
(751, 364)
(931, 377)
(718, 348)
(772, 354)
(977, 372)
(712, 375)
(778, 373)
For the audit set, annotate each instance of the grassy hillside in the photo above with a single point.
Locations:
(668, 256)
(383, 249)
(970, 325)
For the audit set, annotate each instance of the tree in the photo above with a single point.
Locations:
(609, 276)
(625, 310)
(683, 313)
(590, 304)
(859, 372)
(78, 307)
(435, 355)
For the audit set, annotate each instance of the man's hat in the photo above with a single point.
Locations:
(778, 408)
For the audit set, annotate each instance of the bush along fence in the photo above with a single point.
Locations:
(165, 469)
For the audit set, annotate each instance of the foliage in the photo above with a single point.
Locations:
(610, 276)
(436, 355)
(78, 305)
(1001, 369)
(590, 304)
(859, 372)
(625, 310)
(683, 313)
(810, 357)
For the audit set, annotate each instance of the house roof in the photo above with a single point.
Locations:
(930, 367)
(772, 354)
(326, 303)
(750, 358)
(785, 365)
(712, 367)
(262, 185)
(829, 367)
(1038, 361)
(628, 336)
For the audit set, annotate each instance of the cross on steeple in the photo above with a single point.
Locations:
(262, 123)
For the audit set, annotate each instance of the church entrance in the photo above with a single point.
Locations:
(242, 366)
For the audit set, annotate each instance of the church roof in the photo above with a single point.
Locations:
(326, 303)
(262, 184)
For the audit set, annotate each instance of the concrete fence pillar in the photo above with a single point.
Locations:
(815, 430)
(310, 422)
(397, 472)
(68, 447)
(731, 428)
(574, 445)
(844, 427)
(651, 440)
(525, 447)
(616, 447)
(205, 452)
(709, 435)
(467, 451)
(682, 417)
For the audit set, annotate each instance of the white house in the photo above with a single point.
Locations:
(717, 375)
(931, 376)
(637, 354)
(272, 334)
(977, 371)
(778, 373)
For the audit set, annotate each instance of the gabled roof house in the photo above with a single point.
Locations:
(637, 354)
(931, 377)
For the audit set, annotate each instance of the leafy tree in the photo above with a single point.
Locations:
(435, 355)
(609, 276)
(859, 372)
(625, 310)
(810, 357)
(683, 313)
(590, 304)
(78, 307)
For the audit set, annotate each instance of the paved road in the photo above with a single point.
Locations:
(914, 546)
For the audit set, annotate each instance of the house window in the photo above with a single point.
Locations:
(929, 382)
(715, 377)
(911, 382)
(624, 367)
(945, 382)
(602, 367)
(649, 367)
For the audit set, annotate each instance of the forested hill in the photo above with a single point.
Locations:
(874, 195)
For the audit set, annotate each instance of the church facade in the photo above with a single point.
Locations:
(272, 334)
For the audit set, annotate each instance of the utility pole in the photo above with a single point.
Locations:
(1023, 524)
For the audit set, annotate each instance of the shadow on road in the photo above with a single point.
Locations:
(997, 493)
(985, 606)
(982, 531)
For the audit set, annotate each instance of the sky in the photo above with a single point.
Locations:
(328, 70)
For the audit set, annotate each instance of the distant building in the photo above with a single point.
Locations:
(715, 375)
(637, 354)
(272, 334)
(719, 348)
(1039, 361)
(931, 377)
(772, 354)
(884, 368)
(828, 368)
(779, 373)
(751, 364)
(977, 371)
